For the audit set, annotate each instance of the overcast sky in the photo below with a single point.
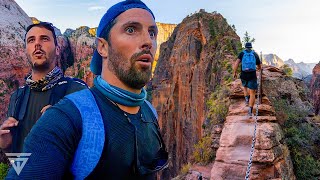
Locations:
(287, 28)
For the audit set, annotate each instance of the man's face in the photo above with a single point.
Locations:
(40, 48)
(132, 46)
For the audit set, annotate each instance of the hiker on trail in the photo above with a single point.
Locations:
(44, 86)
(109, 131)
(249, 60)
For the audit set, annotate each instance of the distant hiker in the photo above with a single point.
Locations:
(249, 60)
(44, 86)
(109, 131)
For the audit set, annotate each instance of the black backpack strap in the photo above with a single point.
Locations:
(24, 103)
(17, 109)
(162, 157)
(18, 103)
(12, 103)
(60, 90)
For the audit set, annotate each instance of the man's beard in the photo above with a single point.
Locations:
(44, 66)
(40, 67)
(126, 71)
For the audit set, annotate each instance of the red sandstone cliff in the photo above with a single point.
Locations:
(188, 69)
(81, 42)
(315, 88)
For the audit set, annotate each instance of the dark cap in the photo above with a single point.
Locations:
(111, 14)
(248, 45)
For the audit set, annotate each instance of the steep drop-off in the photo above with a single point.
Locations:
(191, 64)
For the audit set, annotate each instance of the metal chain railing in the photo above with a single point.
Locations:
(255, 129)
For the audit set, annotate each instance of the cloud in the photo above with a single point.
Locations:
(96, 8)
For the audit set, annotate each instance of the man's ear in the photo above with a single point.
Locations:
(57, 50)
(102, 47)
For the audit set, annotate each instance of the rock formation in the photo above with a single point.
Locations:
(276, 85)
(190, 65)
(271, 157)
(164, 32)
(82, 43)
(272, 59)
(300, 70)
(13, 61)
(315, 88)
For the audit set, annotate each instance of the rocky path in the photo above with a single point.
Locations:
(271, 157)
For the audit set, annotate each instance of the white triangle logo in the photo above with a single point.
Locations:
(18, 162)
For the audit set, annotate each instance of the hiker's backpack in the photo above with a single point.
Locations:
(248, 61)
(91, 144)
(19, 101)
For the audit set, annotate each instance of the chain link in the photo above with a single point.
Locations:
(254, 133)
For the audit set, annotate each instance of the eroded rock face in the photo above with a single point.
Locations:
(188, 69)
(13, 61)
(276, 85)
(82, 43)
(315, 88)
(164, 32)
(271, 158)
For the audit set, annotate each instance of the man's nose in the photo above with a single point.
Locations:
(147, 42)
(38, 46)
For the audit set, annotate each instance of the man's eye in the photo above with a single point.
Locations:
(45, 39)
(152, 33)
(130, 30)
(30, 40)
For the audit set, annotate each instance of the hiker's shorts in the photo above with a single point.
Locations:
(251, 84)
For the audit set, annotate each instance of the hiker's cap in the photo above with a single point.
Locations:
(248, 45)
(111, 14)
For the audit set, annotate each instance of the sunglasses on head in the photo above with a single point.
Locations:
(47, 25)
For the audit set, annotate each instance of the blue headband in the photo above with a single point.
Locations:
(108, 17)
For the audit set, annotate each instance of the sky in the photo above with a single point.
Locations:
(288, 28)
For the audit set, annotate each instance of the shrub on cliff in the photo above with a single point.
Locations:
(203, 153)
(218, 104)
(302, 139)
(287, 70)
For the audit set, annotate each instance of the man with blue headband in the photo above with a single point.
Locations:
(109, 131)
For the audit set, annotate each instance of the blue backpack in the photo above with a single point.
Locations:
(248, 61)
(92, 141)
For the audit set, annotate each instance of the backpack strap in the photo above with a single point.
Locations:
(92, 140)
(152, 109)
(17, 109)
(246, 52)
(23, 105)
(18, 103)
(59, 90)
(163, 160)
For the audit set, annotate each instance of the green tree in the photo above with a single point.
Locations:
(234, 28)
(247, 38)
(287, 69)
